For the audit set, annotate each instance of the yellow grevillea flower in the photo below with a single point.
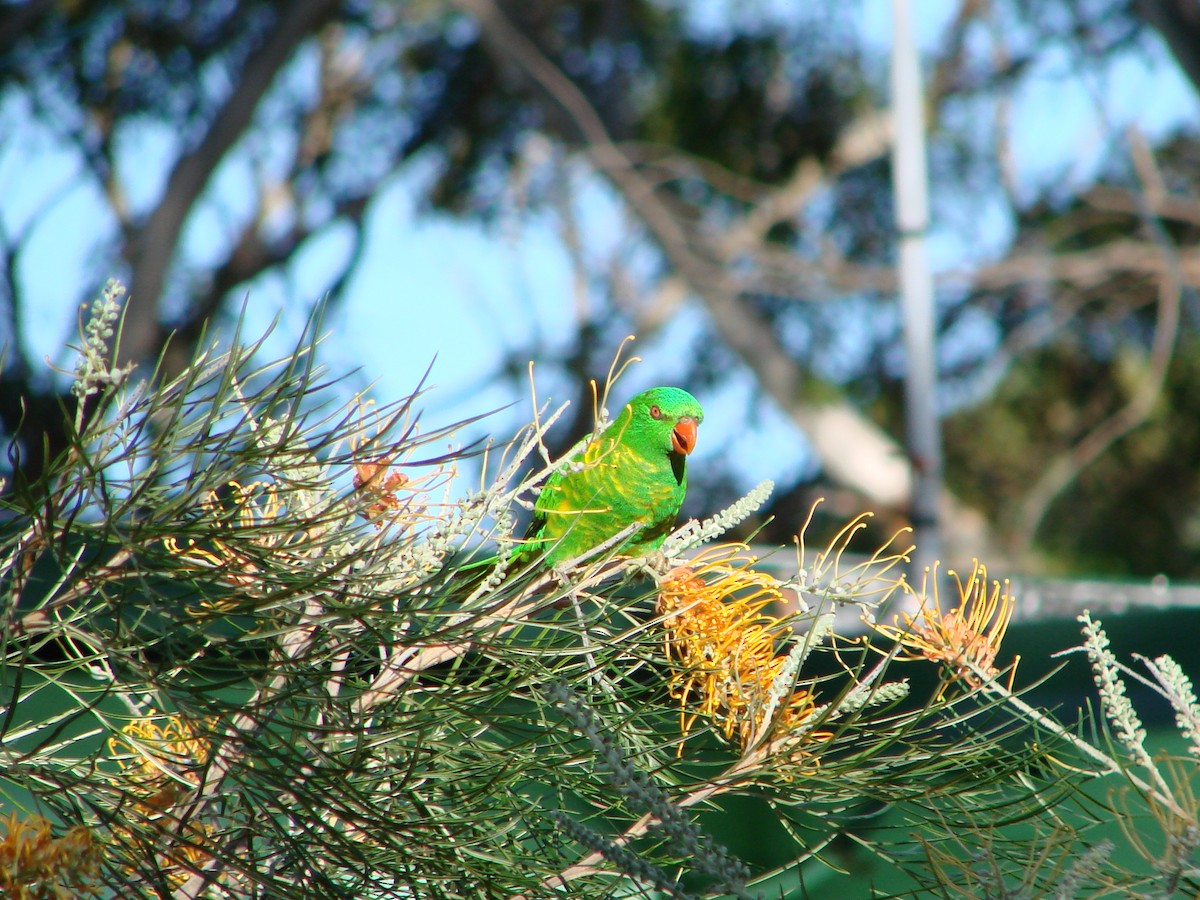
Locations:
(160, 752)
(724, 641)
(966, 638)
(160, 759)
(250, 515)
(35, 864)
(253, 506)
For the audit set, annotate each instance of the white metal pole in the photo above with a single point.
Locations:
(910, 185)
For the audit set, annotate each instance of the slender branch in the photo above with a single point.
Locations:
(406, 663)
(219, 767)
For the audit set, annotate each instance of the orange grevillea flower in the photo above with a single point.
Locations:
(967, 638)
(719, 632)
(390, 496)
(379, 482)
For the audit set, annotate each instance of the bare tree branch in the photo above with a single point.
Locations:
(151, 248)
(1062, 470)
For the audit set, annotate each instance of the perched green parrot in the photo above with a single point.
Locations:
(633, 471)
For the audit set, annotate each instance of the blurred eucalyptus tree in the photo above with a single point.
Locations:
(752, 160)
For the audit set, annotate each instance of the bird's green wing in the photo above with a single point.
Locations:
(606, 488)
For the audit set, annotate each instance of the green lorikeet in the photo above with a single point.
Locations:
(633, 471)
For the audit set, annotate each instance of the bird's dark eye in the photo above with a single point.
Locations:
(655, 412)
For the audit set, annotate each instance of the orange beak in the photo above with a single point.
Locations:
(683, 436)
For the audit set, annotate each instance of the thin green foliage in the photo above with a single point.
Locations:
(259, 643)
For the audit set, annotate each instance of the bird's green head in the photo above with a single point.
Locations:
(662, 419)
